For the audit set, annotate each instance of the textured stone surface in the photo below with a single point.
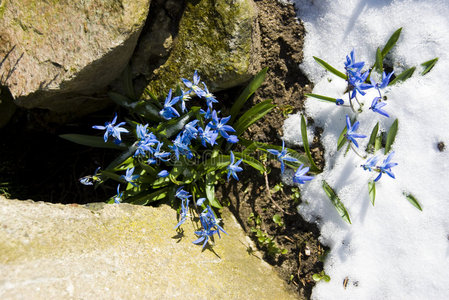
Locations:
(219, 38)
(50, 251)
(60, 51)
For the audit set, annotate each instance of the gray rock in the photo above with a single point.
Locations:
(219, 38)
(62, 51)
(51, 251)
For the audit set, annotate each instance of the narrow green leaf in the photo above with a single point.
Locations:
(330, 68)
(255, 83)
(372, 138)
(324, 98)
(403, 76)
(210, 191)
(379, 61)
(149, 94)
(428, 65)
(391, 42)
(173, 126)
(252, 115)
(305, 143)
(372, 191)
(335, 200)
(91, 141)
(122, 100)
(391, 136)
(250, 161)
(413, 201)
(148, 110)
(111, 175)
(341, 139)
(121, 158)
(378, 143)
(143, 198)
(216, 163)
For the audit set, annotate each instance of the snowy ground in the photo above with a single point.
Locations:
(391, 250)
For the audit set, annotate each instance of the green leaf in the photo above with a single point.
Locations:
(173, 126)
(250, 161)
(330, 68)
(324, 98)
(121, 158)
(379, 61)
(210, 190)
(335, 200)
(91, 141)
(378, 143)
(247, 92)
(216, 163)
(306, 143)
(122, 100)
(391, 42)
(372, 138)
(342, 139)
(148, 110)
(252, 115)
(391, 136)
(150, 94)
(372, 191)
(326, 278)
(413, 201)
(428, 65)
(143, 198)
(111, 175)
(317, 277)
(403, 76)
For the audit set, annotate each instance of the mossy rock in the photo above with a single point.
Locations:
(219, 38)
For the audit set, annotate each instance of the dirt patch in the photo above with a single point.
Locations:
(255, 200)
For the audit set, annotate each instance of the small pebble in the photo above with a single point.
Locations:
(441, 146)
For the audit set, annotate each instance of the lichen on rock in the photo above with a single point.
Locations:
(219, 38)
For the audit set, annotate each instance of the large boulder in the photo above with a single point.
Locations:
(219, 38)
(58, 52)
(52, 251)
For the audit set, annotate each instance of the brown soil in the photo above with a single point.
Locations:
(282, 41)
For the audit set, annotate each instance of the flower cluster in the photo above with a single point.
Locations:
(384, 167)
(181, 156)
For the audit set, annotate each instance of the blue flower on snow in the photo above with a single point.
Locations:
(377, 105)
(351, 129)
(370, 163)
(300, 176)
(386, 167)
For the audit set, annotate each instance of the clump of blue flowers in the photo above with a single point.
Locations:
(175, 153)
(367, 87)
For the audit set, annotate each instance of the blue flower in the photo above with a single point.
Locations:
(208, 96)
(385, 167)
(350, 133)
(351, 65)
(339, 102)
(207, 136)
(184, 211)
(204, 235)
(144, 145)
(210, 227)
(168, 111)
(190, 131)
(193, 86)
(129, 177)
(233, 139)
(282, 156)
(207, 114)
(181, 194)
(357, 83)
(377, 105)
(384, 83)
(184, 97)
(233, 168)
(200, 201)
(163, 173)
(180, 148)
(118, 198)
(141, 131)
(112, 130)
(161, 155)
(220, 125)
(299, 176)
(370, 163)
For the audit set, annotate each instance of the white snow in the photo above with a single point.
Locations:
(391, 250)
